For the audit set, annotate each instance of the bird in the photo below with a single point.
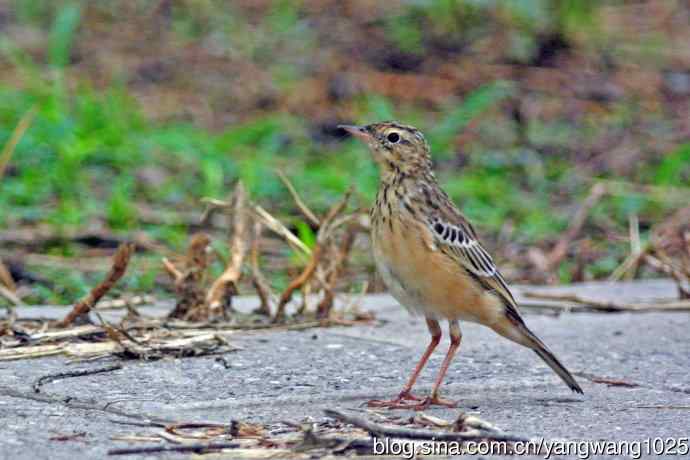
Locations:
(431, 260)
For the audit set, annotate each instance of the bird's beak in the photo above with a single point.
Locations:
(359, 132)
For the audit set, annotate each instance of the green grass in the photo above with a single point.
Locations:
(92, 156)
(83, 158)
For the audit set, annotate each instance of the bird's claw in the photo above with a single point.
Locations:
(417, 404)
(397, 403)
(434, 401)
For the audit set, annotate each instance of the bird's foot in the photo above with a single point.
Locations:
(397, 403)
(433, 400)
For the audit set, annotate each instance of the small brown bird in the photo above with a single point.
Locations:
(430, 257)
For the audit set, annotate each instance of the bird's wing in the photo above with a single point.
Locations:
(454, 235)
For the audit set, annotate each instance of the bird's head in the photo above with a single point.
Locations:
(398, 149)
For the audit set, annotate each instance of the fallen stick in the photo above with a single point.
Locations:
(134, 301)
(378, 430)
(71, 333)
(610, 306)
(37, 237)
(199, 448)
(80, 373)
(118, 269)
(607, 381)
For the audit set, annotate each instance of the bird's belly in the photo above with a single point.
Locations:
(427, 282)
(408, 298)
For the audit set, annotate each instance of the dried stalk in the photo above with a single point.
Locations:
(306, 292)
(9, 289)
(118, 269)
(6, 278)
(660, 261)
(304, 209)
(226, 284)
(212, 205)
(560, 250)
(171, 270)
(339, 261)
(11, 296)
(16, 136)
(329, 222)
(631, 264)
(297, 283)
(189, 282)
(281, 230)
(322, 236)
(263, 289)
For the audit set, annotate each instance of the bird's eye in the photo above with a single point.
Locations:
(393, 137)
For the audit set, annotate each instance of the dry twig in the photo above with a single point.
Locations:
(263, 289)
(197, 448)
(298, 282)
(304, 209)
(560, 250)
(84, 306)
(379, 430)
(336, 268)
(127, 302)
(323, 235)
(16, 136)
(220, 293)
(11, 296)
(610, 306)
(189, 281)
(278, 228)
(6, 278)
(670, 236)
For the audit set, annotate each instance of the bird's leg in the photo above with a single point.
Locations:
(434, 399)
(406, 393)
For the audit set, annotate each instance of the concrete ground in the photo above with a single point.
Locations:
(290, 375)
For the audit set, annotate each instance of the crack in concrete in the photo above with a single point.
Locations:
(72, 402)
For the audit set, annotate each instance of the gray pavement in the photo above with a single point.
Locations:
(291, 375)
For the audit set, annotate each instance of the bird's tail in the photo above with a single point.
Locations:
(549, 358)
(515, 329)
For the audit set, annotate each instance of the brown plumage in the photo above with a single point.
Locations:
(430, 257)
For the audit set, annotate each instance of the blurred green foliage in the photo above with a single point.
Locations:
(91, 154)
